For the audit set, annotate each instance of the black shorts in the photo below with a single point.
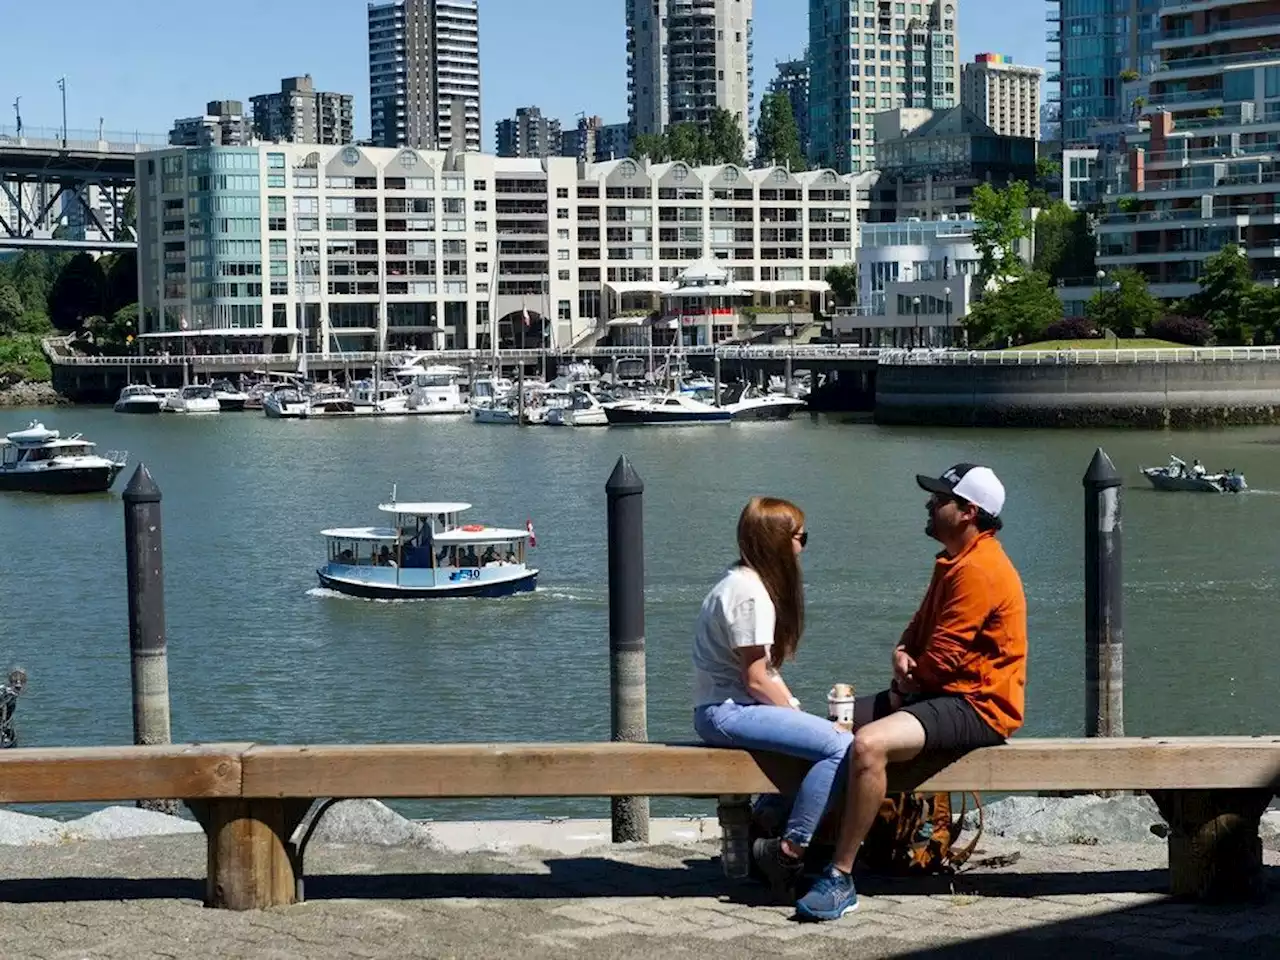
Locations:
(950, 722)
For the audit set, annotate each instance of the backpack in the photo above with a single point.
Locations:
(915, 833)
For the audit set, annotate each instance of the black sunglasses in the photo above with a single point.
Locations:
(803, 537)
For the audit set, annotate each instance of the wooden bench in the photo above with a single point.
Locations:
(251, 798)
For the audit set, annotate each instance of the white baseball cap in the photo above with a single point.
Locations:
(968, 481)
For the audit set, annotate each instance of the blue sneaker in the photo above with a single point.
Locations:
(830, 898)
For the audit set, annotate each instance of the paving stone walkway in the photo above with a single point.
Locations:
(140, 899)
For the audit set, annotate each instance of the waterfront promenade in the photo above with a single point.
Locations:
(140, 899)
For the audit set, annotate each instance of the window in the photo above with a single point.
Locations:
(562, 254)
(564, 309)
(275, 161)
(563, 274)
(480, 186)
(481, 267)
(562, 213)
(480, 205)
(562, 193)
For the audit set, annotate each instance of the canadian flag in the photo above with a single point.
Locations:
(524, 315)
(533, 541)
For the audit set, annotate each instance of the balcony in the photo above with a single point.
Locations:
(1187, 34)
(1198, 66)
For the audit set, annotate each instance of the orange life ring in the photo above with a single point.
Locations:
(473, 527)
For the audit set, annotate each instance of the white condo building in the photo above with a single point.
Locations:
(377, 248)
(685, 58)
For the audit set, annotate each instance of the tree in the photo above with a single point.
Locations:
(650, 146)
(724, 139)
(687, 142)
(128, 225)
(1262, 313)
(777, 136)
(11, 310)
(1065, 247)
(112, 336)
(76, 293)
(121, 272)
(844, 283)
(1126, 307)
(1225, 286)
(1020, 310)
(1190, 331)
(1001, 226)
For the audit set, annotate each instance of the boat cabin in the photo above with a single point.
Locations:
(363, 546)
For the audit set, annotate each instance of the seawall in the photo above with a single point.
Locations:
(1142, 393)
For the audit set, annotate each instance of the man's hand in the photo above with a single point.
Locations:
(904, 671)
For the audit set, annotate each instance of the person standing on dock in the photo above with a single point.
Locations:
(749, 624)
(959, 671)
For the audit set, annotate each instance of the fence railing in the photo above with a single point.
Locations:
(1101, 355)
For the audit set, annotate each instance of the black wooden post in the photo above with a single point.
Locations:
(144, 565)
(624, 492)
(1103, 600)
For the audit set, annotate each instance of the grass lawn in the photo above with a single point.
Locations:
(1097, 343)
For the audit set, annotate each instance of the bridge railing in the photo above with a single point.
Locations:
(113, 141)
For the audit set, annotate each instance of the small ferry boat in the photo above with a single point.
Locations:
(1177, 476)
(427, 555)
(139, 398)
(39, 460)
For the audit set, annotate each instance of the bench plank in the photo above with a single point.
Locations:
(80, 774)
(653, 769)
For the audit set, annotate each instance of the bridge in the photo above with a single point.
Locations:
(75, 179)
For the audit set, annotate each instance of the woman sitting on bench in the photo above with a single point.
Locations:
(749, 624)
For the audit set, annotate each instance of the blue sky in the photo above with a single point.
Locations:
(138, 70)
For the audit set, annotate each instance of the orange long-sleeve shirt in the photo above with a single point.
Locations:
(969, 636)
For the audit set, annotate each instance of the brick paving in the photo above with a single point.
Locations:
(139, 899)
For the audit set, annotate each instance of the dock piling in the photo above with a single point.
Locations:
(148, 655)
(624, 493)
(716, 367)
(1103, 599)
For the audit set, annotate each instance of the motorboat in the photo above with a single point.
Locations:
(501, 410)
(670, 409)
(196, 398)
(543, 401)
(230, 398)
(434, 391)
(329, 401)
(168, 399)
(139, 398)
(748, 403)
(39, 460)
(1177, 476)
(427, 554)
(285, 403)
(584, 410)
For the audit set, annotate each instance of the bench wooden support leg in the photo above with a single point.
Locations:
(252, 863)
(734, 811)
(1214, 850)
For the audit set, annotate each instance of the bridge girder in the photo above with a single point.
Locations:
(37, 183)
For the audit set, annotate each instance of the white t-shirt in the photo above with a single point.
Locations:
(736, 613)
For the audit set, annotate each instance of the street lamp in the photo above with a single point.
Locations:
(951, 340)
(915, 336)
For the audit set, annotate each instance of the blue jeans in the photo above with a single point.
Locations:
(790, 732)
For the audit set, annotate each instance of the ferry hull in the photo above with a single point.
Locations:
(386, 591)
(70, 480)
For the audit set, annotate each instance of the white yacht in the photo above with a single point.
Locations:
(230, 397)
(327, 400)
(584, 410)
(196, 398)
(39, 460)
(168, 399)
(434, 391)
(139, 398)
(748, 403)
(671, 409)
(284, 403)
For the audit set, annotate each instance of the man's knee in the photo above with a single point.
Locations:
(894, 738)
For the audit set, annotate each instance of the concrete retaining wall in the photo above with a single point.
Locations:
(1145, 394)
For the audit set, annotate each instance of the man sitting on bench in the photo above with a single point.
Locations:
(959, 672)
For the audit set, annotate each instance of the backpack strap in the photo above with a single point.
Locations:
(960, 857)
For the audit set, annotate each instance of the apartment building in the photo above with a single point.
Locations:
(685, 59)
(866, 56)
(376, 248)
(299, 113)
(1004, 94)
(424, 74)
(528, 134)
(1202, 171)
(1100, 55)
(223, 124)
